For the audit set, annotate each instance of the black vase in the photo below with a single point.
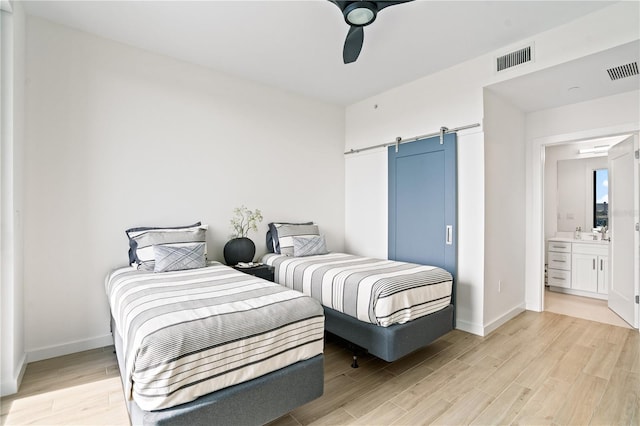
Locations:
(239, 250)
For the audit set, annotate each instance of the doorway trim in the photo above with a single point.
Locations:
(534, 235)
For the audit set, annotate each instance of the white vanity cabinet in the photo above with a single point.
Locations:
(559, 263)
(578, 267)
(590, 264)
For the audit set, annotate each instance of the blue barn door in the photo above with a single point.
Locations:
(422, 202)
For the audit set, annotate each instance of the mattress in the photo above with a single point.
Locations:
(189, 333)
(381, 292)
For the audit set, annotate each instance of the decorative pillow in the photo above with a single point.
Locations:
(309, 246)
(134, 232)
(142, 240)
(269, 243)
(273, 240)
(287, 232)
(177, 257)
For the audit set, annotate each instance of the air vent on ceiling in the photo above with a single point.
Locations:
(623, 71)
(514, 58)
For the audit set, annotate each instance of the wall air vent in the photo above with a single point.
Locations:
(616, 73)
(514, 58)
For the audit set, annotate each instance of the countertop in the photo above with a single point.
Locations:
(573, 240)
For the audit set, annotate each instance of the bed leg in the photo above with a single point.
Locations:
(354, 349)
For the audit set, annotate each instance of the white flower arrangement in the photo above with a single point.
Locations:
(245, 220)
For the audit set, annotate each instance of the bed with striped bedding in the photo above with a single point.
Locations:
(380, 292)
(189, 333)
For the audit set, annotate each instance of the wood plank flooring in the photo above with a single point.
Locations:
(77, 389)
(539, 368)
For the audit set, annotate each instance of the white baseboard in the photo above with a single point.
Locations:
(470, 327)
(69, 348)
(12, 384)
(579, 293)
(514, 312)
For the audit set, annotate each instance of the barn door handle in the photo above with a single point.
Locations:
(449, 236)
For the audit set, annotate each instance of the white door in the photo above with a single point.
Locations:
(623, 216)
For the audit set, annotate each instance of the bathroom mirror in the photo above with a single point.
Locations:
(576, 196)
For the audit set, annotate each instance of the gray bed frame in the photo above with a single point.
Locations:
(255, 402)
(393, 342)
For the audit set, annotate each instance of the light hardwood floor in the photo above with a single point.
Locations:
(539, 368)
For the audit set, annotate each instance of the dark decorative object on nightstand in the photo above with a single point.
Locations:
(260, 271)
(239, 250)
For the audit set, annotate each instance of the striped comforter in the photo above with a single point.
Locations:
(382, 292)
(189, 333)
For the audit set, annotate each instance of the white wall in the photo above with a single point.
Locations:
(454, 98)
(12, 352)
(504, 225)
(563, 124)
(119, 137)
(603, 117)
(366, 192)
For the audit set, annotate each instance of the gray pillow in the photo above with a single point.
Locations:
(286, 232)
(177, 257)
(273, 242)
(132, 233)
(309, 246)
(145, 240)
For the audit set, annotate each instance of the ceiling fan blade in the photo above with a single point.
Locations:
(353, 44)
(340, 4)
(382, 4)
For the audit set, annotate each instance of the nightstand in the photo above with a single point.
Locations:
(261, 271)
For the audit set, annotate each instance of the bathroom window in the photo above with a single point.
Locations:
(600, 197)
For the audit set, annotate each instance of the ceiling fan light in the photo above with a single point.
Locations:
(360, 13)
(361, 16)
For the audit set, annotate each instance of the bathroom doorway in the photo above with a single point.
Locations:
(575, 229)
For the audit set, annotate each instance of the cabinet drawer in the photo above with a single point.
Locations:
(559, 260)
(595, 249)
(559, 246)
(559, 278)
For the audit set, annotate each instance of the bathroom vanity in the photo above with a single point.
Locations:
(578, 266)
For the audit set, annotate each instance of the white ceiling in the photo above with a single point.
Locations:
(297, 45)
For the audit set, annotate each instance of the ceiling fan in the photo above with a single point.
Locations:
(358, 14)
